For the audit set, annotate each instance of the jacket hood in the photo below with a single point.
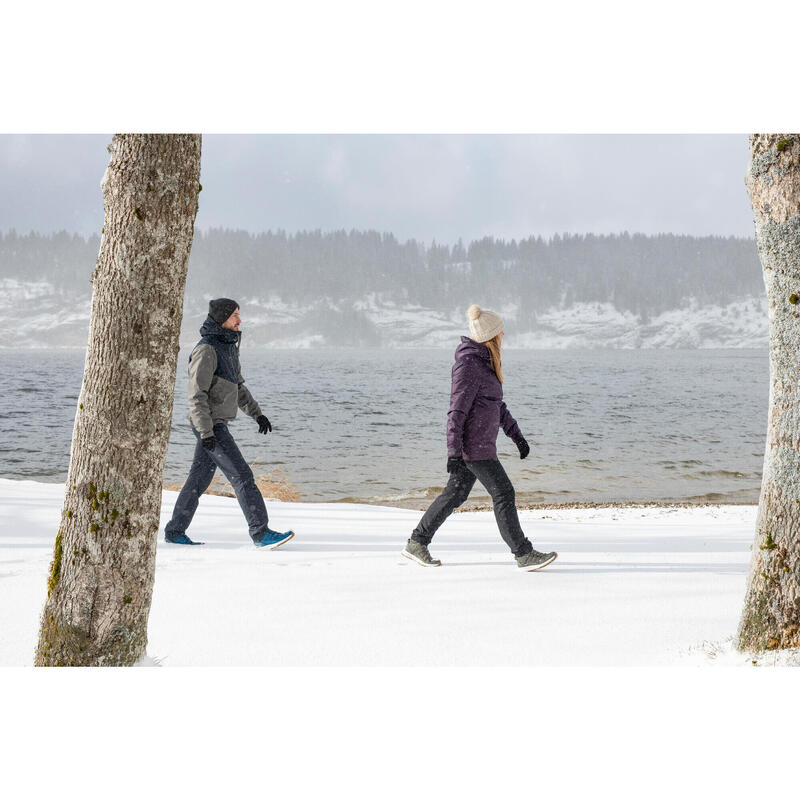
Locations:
(470, 348)
(212, 328)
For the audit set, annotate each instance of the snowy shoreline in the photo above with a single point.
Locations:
(61, 320)
(633, 586)
(470, 506)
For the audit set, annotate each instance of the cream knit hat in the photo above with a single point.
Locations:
(483, 325)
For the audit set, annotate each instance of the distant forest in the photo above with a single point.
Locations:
(642, 274)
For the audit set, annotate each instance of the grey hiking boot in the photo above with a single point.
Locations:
(419, 553)
(535, 560)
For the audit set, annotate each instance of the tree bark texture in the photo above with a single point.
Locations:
(101, 579)
(771, 615)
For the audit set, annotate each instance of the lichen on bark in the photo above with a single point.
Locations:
(55, 566)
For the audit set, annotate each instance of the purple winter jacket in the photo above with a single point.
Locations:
(477, 409)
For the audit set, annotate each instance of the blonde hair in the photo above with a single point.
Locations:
(494, 351)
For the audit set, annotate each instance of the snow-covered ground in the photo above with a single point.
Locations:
(631, 586)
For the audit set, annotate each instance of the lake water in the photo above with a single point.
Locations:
(369, 425)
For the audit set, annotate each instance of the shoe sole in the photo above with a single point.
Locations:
(185, 544)
(419, 560)
(539, 566)
(277, 544)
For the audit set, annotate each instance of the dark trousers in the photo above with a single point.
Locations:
(492, 475)
(227, 457)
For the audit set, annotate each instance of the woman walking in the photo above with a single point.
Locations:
(477, 412)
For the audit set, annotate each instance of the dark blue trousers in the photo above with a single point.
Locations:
(227, 457)
(494, 478)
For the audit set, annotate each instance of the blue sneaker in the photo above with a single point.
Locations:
(182, 539)
(272, 539)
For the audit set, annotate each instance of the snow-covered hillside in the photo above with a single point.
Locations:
(35, 314)
(588, 325)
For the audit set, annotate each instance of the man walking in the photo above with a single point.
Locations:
(216, 390)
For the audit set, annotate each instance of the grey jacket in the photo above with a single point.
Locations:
(216, 385)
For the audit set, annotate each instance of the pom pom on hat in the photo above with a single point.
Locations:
(473, 312)
(483, 325)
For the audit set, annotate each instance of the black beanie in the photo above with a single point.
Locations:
(220, 309)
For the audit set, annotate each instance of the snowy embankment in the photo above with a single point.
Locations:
(62, 319)
(579, 325)
(632, 586)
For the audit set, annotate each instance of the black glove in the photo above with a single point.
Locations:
(524, 448)
(454, 463)
(263, 424)
(210, 442)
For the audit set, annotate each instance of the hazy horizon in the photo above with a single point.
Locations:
(439, 242)
(422, 187)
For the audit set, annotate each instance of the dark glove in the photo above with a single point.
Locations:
(524, 448)
(454, 463)
(263, 424)
(210, 442)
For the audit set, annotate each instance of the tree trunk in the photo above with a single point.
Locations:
(771, 616)
(101, 578)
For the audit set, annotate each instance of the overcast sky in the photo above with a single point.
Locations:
(427, 187)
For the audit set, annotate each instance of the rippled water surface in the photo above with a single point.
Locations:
(636, 425)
